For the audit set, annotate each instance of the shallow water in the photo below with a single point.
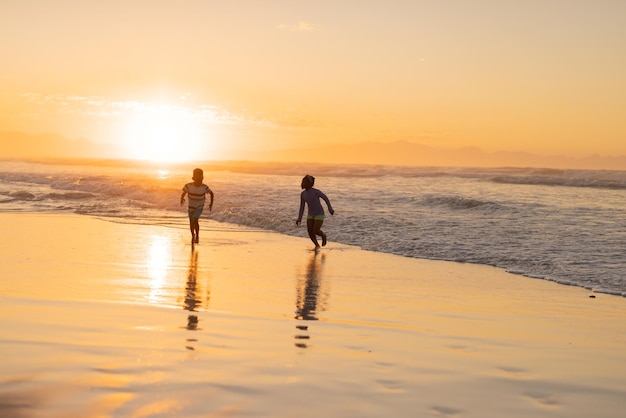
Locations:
(563, 225)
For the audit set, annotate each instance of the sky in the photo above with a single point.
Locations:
(176, 80)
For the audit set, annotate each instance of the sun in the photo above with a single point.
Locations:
(163, 133)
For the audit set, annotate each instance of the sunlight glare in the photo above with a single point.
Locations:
(163, 133)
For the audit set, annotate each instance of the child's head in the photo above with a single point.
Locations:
(198, 175)
(307, 181)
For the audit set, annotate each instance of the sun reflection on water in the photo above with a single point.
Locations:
(158, 264)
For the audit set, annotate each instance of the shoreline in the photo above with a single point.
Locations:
(116, 319)
(231, 227)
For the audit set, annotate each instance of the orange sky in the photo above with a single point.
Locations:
(169, 79)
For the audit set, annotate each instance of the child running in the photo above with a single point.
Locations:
(197, 196)
(315, 216)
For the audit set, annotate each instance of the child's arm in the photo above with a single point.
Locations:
(182, 198)
(330, 207)
(211, 202)
(301, 211)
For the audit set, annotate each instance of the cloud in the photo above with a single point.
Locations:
(101, 107)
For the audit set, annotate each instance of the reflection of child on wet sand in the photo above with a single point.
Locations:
(315, 216)
(197, 196)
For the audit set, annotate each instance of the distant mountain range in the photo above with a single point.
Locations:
(408, 153)
(18, 145)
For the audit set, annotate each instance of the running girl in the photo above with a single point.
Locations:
(315, 216)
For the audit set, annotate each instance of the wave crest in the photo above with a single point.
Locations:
(457, 203)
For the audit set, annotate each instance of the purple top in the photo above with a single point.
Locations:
(312, 198)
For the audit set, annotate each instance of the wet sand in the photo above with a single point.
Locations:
(107, 319)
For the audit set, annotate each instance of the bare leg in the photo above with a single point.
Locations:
(313, 227)
(196, 229)
(192, 229)
(310, 226)
(317, 225)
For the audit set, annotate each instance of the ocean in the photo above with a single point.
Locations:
(568, 226)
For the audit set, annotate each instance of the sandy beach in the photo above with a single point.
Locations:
(105, 319)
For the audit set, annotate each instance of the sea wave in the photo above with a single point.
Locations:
(460, 203)
(68, 196)
(20, 195)
(592, 181)
(603, 179)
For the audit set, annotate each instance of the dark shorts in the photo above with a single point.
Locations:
(195, 212)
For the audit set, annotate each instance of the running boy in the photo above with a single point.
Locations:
(197, 196)
(315, 216)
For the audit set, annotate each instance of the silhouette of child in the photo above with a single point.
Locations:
(315, 215)
(197, 196)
